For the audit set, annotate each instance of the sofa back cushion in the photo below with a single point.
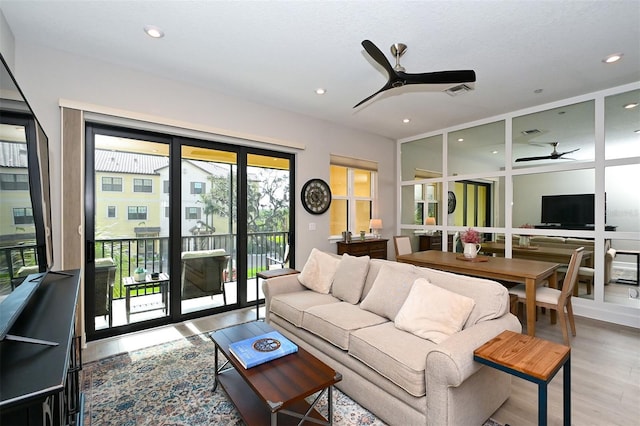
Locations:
(389, 291)
(318, 272)
(350, 277)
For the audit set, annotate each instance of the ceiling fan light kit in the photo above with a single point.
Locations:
(397, 77)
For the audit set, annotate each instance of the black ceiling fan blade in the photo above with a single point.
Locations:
(377, 55)
(439, 77)
(545, 157)
(568, 152)
(385, 87)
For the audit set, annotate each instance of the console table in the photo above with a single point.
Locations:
(41, 384)
(374, 248)
(434, 242)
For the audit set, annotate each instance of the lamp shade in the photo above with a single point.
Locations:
(375, 224)
(430, 221)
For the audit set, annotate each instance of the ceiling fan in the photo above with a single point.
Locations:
(398, 78)
(555, 155)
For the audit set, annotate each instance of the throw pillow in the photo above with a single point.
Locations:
(389, 291)
(350, 277)
(433, 313)
(318, 272)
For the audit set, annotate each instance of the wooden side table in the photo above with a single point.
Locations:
(532, 359)
(265, 275)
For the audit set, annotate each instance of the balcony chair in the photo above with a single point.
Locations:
(105, 278)
(203, 273)
(277, 263)
(402, 245)
(558, 300)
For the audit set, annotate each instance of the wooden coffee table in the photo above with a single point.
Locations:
(274, 392)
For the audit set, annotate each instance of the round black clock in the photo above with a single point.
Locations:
(316, 196)
(451, 202)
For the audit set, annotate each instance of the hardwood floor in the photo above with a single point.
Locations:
(605, 369)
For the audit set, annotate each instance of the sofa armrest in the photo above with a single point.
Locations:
(279, 285)
(451, 362)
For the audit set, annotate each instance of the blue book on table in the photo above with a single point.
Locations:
(263, 348)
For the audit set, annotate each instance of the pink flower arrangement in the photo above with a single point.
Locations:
(470, 236)
(527, 226)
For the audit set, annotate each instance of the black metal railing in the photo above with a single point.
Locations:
(152, 253)
(12, 259)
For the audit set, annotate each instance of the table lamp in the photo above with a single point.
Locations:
(430, 221)
(375, 225)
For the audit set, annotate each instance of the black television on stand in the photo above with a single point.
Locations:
(26, 247)
(570, 211)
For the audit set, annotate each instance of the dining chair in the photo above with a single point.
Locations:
(402, 245)
(558, 300)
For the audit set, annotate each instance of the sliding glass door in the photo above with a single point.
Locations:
(178, 228)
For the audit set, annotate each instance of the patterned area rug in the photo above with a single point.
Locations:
(170, 384)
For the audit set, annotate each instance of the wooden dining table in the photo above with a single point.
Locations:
(532, 273)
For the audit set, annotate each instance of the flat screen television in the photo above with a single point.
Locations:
(568, 209)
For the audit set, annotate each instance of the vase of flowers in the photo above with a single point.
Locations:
(525, 240)
(471, 239)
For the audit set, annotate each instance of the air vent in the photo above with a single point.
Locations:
(531, 132)
(458, 90)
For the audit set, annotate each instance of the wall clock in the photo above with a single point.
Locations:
(316, 196)
(451, 202)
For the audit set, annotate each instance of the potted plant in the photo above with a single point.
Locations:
(139, 274)
(471, 239)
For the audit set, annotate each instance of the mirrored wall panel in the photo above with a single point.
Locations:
(622, 125)
(554, 136)
(421, 159)
(477, 149)
(477, 202)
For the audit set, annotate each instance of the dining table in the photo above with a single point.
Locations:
(549, 254)
(531, 273)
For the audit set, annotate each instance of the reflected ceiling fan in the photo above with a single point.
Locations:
(555, 155)
(398, 78)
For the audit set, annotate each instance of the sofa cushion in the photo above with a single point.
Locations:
(335, 321)
(491, 297)
(389, 291)
(350, 277)
(395, 354)
(433, 313)
(317, 274)
(291, 306)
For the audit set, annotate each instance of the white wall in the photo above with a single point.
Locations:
(47, 75)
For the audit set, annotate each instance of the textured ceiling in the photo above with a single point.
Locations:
(278, 52)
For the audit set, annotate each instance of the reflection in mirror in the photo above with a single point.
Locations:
(622, 125)
(477, 149)
(421, 159)
(622, 287)
(478, 202)
(25, 221)
(572, 127)
(623, 197)
(529, 190)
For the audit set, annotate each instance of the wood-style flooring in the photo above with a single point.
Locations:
(605, 370)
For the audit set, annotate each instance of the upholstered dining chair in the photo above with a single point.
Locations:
(402, 245)
(558, 300)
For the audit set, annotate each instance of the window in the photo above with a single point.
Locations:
(137, 213)
(198, 187)
(142, 185)
(22, 216)
(113, 184)
(14, 182)
(166, 211)
(353, 191)
(192, 213)
(111, 212)
(165, 186)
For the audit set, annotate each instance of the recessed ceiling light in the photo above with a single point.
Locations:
(406, 120)
(153, 31)
(613, 58)
(461, 140)
(537, 91)
(320, 91)
(631, 105)
(637, 131)
(494, 152)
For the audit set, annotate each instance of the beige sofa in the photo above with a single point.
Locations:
(357, 322)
